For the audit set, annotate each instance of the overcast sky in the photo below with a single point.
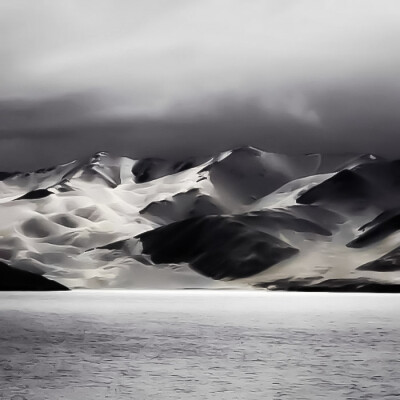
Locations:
(174, 78)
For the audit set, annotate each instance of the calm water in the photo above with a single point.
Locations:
(199, 345)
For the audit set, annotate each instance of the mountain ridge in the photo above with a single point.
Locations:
(241, 205)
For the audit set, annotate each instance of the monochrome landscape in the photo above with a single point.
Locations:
(199, 199)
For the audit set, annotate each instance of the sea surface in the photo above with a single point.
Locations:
(199, 345)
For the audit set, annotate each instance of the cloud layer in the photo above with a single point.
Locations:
(169, 77)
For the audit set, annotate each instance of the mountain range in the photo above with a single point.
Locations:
(245, 218)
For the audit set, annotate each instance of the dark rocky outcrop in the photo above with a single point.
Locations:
(181, 206)
(390, 262)
(35, 194)
(148, 169)
(219, 247)
(374, 184)
(333, 285)
(6, 175)
(277, 220)
(346, 188)
(379, 230)
(16, 279)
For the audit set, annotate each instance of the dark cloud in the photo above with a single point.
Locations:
(48, 133)
(35, 140)
(172, 79)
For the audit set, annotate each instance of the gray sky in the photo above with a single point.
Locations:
(174, 78)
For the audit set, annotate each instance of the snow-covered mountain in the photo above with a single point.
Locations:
(243, 218)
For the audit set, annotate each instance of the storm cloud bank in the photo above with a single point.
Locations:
(178, 78)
